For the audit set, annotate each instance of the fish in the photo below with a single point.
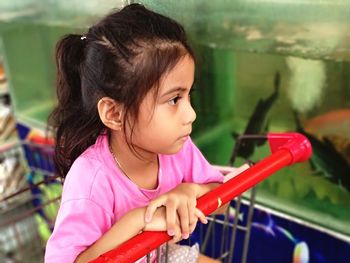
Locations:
(301, 253)
(341, 144)
(301, 250)
(257, 123)
(326, 160)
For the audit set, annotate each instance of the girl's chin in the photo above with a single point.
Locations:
(174, 149)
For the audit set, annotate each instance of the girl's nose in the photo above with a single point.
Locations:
(190, 114)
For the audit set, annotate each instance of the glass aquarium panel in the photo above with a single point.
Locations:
(307, 28)
(276, 66)
(29, 56)
(314, 99)
(242, 48)
(29, 31)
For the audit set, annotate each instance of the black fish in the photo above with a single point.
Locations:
(326, 159)
(257, 123)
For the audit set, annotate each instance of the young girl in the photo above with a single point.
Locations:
(123, 124)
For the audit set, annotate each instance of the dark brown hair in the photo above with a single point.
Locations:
(123, 57)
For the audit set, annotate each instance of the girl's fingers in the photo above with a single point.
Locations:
(193, 226)
(152, 207)
(177, 235)
(184, 221)
(191, 211)
(158, 222)
(171, 216)
(201, 216)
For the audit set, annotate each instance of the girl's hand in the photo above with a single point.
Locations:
(158, 223)
(180, 210)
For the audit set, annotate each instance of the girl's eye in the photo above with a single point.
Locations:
(174, 101)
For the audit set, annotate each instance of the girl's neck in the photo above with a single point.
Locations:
(141, 170)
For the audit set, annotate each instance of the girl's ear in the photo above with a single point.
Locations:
(111, 113)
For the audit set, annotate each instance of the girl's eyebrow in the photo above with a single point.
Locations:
(173, 90)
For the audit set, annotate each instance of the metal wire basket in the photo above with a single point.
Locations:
(28, 202)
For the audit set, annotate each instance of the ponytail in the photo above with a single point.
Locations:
(69, 54)
(76, 129)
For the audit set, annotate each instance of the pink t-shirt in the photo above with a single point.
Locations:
(96, 194)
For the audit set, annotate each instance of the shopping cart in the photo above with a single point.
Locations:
(29, 200)
(218, 239)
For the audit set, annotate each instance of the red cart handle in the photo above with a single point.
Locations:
(286, 148)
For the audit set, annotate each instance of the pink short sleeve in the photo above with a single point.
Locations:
(78, 225)
(198, 169)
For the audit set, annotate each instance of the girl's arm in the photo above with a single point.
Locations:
(181, 202)
(131, 224)
(170, 206)
(127, 227)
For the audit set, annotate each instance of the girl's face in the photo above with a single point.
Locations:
(164, 125)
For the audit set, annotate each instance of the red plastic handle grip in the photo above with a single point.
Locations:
(287, 149)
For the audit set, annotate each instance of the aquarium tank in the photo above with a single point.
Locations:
(29, 30)
(262, 66)
(276, 66)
